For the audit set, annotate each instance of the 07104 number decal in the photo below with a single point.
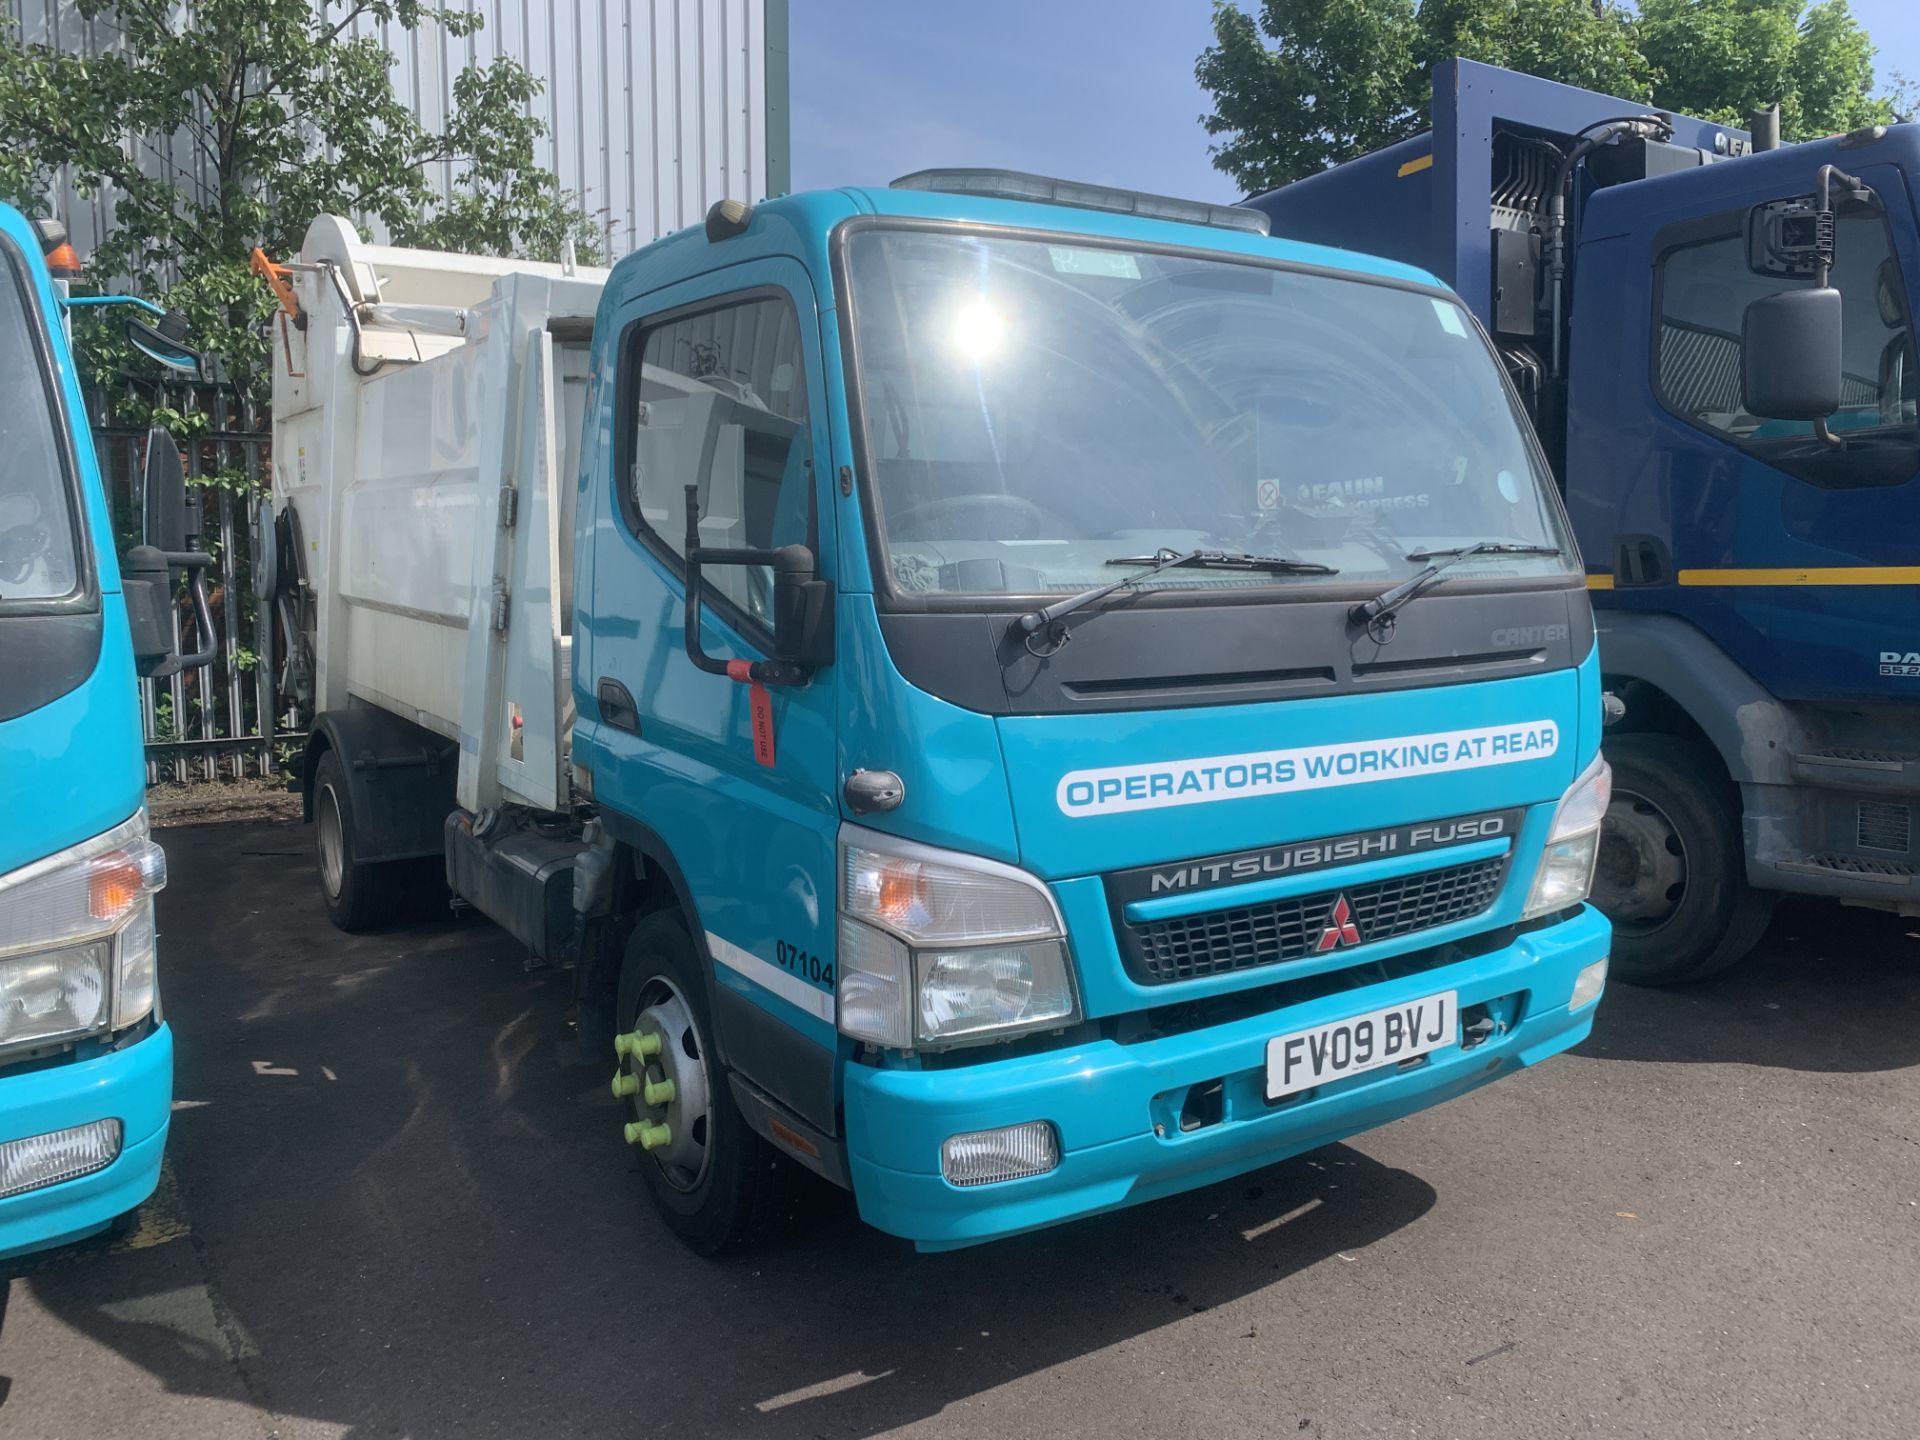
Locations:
(805, 964)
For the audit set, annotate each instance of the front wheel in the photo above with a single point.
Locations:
(716, 1183)
(359, 896)
(1672, 872)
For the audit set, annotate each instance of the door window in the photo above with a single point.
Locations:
(1704, 289)
(40, 554)
(718, 400)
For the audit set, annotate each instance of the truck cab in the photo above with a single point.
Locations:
(1758, 575)
(1019, 698)
(86, 1060)
(1753, 554)
(1001, 910)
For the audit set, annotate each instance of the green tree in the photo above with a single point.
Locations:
(232, 123)
(1341, 81)
(1573, 41)
(1342, 77)
(1721, 59)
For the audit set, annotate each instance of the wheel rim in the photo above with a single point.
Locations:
(1640, 880)
(332, 842)
(686, 1157)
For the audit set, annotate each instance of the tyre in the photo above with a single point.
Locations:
(359, 896)
(716, 1183)
(1672, 872)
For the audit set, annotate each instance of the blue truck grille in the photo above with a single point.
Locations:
(1219, 942)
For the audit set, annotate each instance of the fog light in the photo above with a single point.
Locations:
(982, 1157)
(1588, 984)
(58, 1155)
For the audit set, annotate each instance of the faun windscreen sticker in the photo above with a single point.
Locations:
(1160, 785)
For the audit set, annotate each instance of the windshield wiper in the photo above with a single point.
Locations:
(1035, 621)
(1377, 614)
(1231, 560)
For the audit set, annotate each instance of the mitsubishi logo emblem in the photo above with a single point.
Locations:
(1340, 928)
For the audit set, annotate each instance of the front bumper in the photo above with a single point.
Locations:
(136, 1086)
(1104, 1098)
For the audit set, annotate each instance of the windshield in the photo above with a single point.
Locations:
(1035, 409)
(37, 550)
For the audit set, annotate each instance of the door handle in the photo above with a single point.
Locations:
(617, 709)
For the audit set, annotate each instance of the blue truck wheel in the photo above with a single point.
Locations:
(715, 1182)
(1672, 872)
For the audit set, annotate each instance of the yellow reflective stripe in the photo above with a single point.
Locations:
(1599, 582)
(1414, 167)
(1834, 575)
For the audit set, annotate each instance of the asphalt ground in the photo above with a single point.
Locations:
(397, 1206)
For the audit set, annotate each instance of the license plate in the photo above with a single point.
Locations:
(1308, 1058)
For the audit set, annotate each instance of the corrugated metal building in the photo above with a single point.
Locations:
(654, 108)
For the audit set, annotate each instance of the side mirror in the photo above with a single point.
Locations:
(802, 608)
(1790, 355)
(165, 341)
(146, 585)
(165, 522)
(171, 526)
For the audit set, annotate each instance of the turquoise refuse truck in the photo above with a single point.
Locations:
(86, 1062)
(1021, 698)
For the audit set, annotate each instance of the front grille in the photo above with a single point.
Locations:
(1218, 942)
(1885, 825)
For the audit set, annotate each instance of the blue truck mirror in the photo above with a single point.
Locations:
(163, 492)
(802, 615)
(1790, 355)
(165, 341)
(146, 583)
(802, 606)
(170, 524)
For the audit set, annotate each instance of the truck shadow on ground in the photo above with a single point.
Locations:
(410, 1215)
(1828, 989)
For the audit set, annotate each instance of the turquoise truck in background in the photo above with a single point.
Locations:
(86, 1061)
(1018, 697)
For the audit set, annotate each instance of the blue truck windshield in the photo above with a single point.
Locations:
(1033, 410)
(39, 555)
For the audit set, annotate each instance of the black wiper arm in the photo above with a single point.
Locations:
(1234, 560)
(1035, 621)
(1486, 547)
(1379, 610)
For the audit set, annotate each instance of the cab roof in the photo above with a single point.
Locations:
(1109, 224)
(802, 225)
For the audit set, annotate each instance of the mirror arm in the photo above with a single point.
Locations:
(1823, 265)
(196, 561)
(766, 672)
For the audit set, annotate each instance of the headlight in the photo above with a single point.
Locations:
(938, 948)
(76, 938)
(1566, 867)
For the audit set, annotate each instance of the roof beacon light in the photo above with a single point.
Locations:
(1018, 185)
(62, 262)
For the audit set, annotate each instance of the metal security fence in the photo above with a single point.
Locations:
(217, 722)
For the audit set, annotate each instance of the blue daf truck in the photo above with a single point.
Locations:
(1715, 337)
(1001, 776)
(86, 1062)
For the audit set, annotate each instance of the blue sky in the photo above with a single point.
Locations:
(1096, 90)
